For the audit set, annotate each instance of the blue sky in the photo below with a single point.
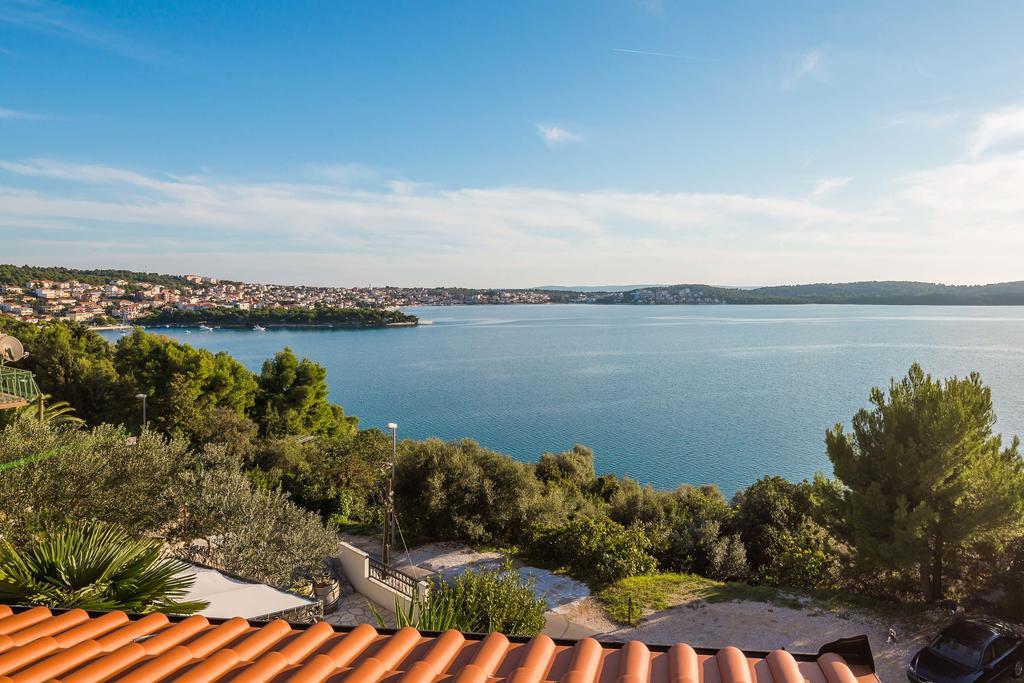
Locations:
(515, 144)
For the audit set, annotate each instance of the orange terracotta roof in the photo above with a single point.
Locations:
(74, 646)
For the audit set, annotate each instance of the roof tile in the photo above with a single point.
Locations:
(70, 646)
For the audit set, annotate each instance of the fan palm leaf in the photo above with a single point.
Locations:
(95, 566)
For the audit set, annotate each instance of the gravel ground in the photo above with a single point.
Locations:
(756, 626)
(745, 624)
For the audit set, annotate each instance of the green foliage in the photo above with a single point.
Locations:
(155, 487)
(488, 600)
(73, 364)
(19, 275)
(596, 549)
(89, 474)
(94, 566)
(292, 399)
(461, 491)
(925, 476)
(766, 515)
(648, 593)
(477, 601)
(56, 413)
(573, 468)
(805, 559)
(257, 533)
(233, 317)
(182, 382)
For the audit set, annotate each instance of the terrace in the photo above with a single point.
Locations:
(17, 387)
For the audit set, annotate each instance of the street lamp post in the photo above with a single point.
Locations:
(389, 511)
(142, 397)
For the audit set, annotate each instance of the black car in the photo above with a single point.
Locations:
(970, 651)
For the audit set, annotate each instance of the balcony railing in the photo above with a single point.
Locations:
(17, 387)
(403, 583)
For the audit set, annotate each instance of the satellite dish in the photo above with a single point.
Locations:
(10, 349)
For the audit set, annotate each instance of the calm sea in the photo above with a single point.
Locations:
(664, 394)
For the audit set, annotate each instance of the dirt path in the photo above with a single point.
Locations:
(755, 626)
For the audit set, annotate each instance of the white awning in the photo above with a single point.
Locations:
(229, 597)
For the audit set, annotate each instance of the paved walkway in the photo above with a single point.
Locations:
(354, 609)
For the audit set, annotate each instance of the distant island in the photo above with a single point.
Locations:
(865, 293)
(109, 297)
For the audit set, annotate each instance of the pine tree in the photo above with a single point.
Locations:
(925, 476)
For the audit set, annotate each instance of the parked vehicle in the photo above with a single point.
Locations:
(970, 651)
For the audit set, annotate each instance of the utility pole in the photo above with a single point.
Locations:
(389, 501)
(142, 397)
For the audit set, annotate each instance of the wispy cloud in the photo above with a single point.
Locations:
(810, 65)
(997, 130)
(54, 18)
(432, 234)
(828, 185)
(346, 174)
(956, 222)
(17, 114)
(923, 119)
(556, 135)
(670, 55)
(656, 7)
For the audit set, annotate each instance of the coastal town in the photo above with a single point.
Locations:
(126, 300)
(121, 301)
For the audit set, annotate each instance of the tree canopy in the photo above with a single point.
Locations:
(924, 475)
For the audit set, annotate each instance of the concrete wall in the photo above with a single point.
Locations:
(355, 565)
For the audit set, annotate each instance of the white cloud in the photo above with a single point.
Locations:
(954, 222)
(16, 114)
(809, 65)
(997, 129)
(70, 23)
(825, 186)
(556, 135)
(484, 236)
(923, 119)
(346, 174)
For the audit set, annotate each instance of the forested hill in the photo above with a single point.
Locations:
(875, 292)
(18, 275)
(321, 316)
(1003, 293)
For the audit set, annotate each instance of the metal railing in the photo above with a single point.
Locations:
(17, 385)
(392, 578)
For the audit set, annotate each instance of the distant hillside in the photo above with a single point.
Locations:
(605, 288)
(875, 292)
(18, 275)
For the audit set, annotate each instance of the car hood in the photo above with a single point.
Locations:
(938, 669)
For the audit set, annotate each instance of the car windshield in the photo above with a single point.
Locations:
(962, 645)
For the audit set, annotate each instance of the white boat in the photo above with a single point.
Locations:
(205, 328)
(258, 328)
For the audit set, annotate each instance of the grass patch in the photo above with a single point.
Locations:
(655, 592)
(648, 593)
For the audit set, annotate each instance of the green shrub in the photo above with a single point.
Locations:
(596, 549)
(478, 601)
(805, 559)
(459, 490)
(257, 533)
(64, 475)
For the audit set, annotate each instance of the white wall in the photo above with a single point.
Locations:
(355, 564)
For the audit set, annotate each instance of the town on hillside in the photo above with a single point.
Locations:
(120, 300)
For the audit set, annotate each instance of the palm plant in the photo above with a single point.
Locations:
(57, 414)
(95, 566)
